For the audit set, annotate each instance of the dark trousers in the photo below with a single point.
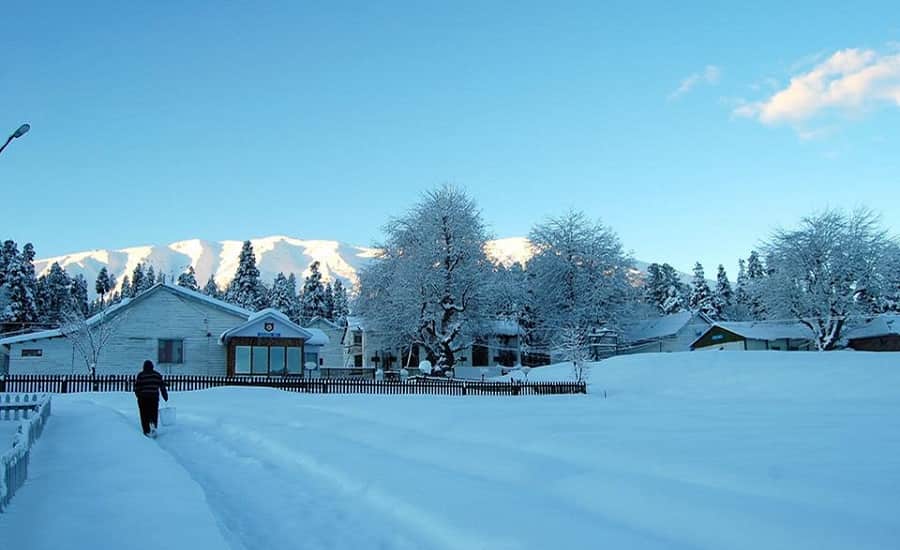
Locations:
(149, 408)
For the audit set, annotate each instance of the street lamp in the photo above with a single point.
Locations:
(21, 131)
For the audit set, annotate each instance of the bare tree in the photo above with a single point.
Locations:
(90, 335)
(574, 344)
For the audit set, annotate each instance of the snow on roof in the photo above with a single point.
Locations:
(660, 327)
(882, 325)
(328, 322)
(313, 336)
(125, 303)
(356, 323)
(762, 330)
(506, 327)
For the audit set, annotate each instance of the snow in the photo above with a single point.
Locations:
(882, 325)
(7, 431)
(765, 330)
(660, 327)
(688, 450)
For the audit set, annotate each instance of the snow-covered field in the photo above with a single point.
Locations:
(7, 431)
(700, 450)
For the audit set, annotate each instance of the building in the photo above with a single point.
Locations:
(881, 333)
(182, 331)
(755, 335)
(334, 362)
(675, 332)
(499, 347)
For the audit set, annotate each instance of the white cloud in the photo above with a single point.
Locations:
(710, 75)
(850, 80)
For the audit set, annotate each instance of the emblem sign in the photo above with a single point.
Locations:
(270, 326)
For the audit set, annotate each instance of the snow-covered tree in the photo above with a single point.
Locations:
(756, 274)
(90, 336)
(211, 288)
(188, 279)
(8, 253)
(21, 288)
(663, 289)
(723, 298)
(741, 309)
(580, 279)
(54, 294)
(79, 292)
(245, 289)
(428, 284)
(103, 285)
(127, 290)
(150, 279)
(341, 303)
(281, 297)
(889, 299)
(329, 302)
(827, 272)
(312, 301)
(138, 280)
(701, 298)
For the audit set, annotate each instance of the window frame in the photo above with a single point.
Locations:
(171, 356)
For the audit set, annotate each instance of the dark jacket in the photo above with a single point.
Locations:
(149, 384)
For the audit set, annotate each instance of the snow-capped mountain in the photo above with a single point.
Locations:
(274, 254)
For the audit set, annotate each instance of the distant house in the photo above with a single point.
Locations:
(675, 332)
(498, 347)
(334, 362)
(755, 335)
(881, 333)
(182, 331)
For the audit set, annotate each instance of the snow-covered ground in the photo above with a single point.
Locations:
(699, 450)
(7, 431)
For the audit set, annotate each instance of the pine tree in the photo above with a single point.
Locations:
(755, 268)
(245, 288)
(329, 302)
(127, 289)
(150, 280)
(188, 279)
(313, 297)
(8, 253)
(79, 293)
(281, 297)
(701, 296)
(102, 285)
(291, 289)
(54, 294)
(30, 278)
(138, 280)
(664, 289)
(211, 288)
(22, 305)
(724, 296)
(756, 275)
(341, 303)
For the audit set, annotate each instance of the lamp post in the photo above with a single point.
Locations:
(21, 131)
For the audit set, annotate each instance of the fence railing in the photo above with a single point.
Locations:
(117, 383)
(32, 412)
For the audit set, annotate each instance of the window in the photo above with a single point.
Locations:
(479, 355)
(171, 351)
(357, 360)
(276, 362)
(311, 358)
(260, 360)
(357, 338)
(242, 360)
(293, 360)
(32, 352)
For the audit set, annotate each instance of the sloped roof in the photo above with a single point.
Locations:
(763, 330)
(882, 325)
(659, 327)
(311, 336)
(115, 309)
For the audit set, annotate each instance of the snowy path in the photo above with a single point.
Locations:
(684, 455)
(95, 482)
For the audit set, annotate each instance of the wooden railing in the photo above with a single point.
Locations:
(32, 412)
(430, 386)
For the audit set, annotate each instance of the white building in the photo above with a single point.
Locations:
(675, 332)
(182, 331)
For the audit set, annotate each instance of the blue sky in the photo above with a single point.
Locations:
(156, 122)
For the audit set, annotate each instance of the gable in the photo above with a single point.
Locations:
(715, 336)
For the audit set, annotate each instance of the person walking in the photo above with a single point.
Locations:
(147, 388)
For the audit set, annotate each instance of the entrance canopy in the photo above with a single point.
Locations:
(271, 323)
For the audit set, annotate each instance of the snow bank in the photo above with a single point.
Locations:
(732, 374)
